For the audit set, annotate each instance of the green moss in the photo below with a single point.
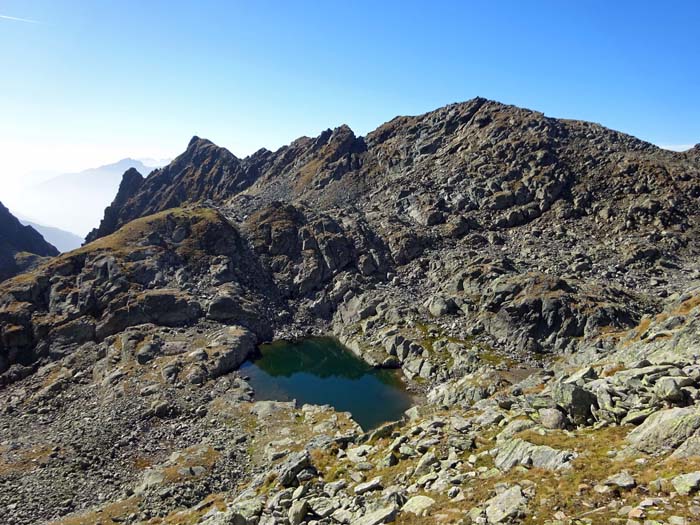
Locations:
(485, 353)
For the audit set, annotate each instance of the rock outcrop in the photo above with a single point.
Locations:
(177, 268)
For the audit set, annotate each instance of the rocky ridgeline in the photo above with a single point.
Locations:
(533, 279)
(21, 247)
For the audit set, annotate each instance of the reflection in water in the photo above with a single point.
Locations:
(320, 371)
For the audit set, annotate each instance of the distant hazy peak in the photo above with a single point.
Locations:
(64, 240)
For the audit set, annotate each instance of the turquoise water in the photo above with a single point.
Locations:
(321, 371)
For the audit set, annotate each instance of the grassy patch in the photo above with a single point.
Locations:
(127, 241)
(24, 460)
(688, 305)
(428, 335)
(115, 512)
(190, 458)
(193, 515)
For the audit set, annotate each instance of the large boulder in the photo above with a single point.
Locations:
(574, 400)
(519, 452)
(664, 431)
(686, 483)
(287, 471)
(506, 506)
(439, 306)
(552, 418)
(669, 389)
(234, 346)
(381, 515)
(245, 511)
(169, 307)
(418, 505)
(689, 448)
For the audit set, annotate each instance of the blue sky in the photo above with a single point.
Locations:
(94, 81)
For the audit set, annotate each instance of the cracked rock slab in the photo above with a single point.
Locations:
(506, 505)
(664, 431)
(519, 452)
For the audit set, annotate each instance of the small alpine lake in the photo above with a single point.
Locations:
(320, 371)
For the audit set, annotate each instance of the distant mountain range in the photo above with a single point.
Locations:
(64, 241)
(75, 202)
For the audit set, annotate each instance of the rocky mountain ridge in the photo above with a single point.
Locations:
(465, 175)
(20, 246)
(487, 151)
(533, 279)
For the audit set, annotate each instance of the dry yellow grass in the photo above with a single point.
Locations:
(192, 515)
(24, 460)
(125, 241)
(103, 515)
(688, 305)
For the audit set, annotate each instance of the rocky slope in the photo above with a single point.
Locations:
(533, 195)
(532, 278)
(20, 246)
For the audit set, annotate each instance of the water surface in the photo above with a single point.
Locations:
(321, 371)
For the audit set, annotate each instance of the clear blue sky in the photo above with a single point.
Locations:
(100, 80)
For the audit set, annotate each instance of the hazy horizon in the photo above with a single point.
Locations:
(93, 83)
(42, 199)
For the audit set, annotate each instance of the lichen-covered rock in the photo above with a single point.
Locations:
(376, 517)
(552, 418)
(686, 483)
(288, 470)
(575, 400)
(664, 431)
(418, 505)
(519, 452)
(506, 505)
(622, 479)
(245, 511)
